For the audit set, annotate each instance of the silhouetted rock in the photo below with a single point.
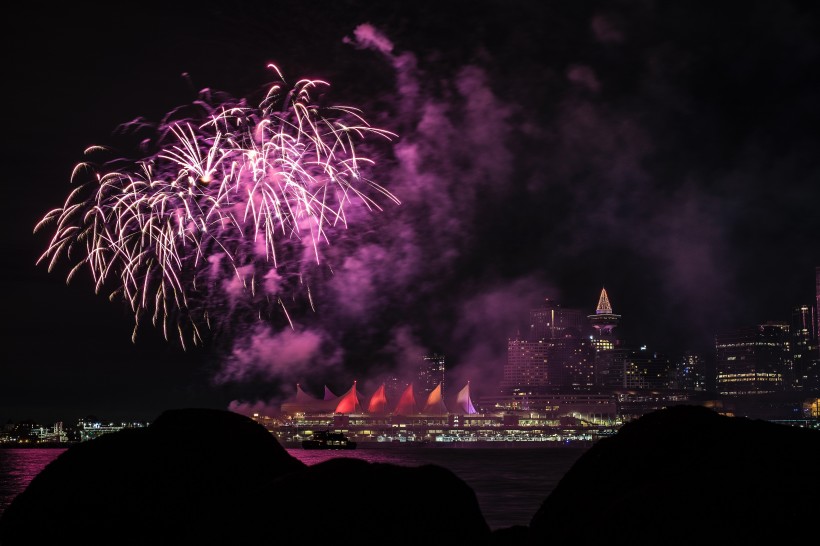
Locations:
(211, 477)
(351, 501)
(516, 535)
(687, 475)
(194, 476)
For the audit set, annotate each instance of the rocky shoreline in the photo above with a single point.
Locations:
(682, 475)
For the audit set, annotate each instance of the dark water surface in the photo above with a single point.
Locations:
(18, 467)
(510, 483)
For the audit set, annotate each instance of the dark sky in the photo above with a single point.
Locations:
(667, 151)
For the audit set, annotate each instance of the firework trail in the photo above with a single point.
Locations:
(225, 214)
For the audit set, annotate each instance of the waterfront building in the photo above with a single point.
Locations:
(599, 408)
(553, 417)
(89, 428)
(753, 360)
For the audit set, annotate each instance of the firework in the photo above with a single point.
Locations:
(225, 211)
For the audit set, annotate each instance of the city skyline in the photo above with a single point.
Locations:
(544, 151)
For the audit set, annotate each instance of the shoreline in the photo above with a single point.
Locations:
(461, 445)
(64, 445)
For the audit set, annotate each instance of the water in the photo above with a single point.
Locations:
(18, 467)
(510, 483)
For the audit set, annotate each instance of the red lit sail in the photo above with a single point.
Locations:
(378, 402)
(349, 402)
(407, 403)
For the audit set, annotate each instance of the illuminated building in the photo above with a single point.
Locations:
(690, 373)
(753, 360)
(817, 324)
(804, 348)
(554, 417)
(604, 320)
(430, 373)
(526, 367)
(590, 407)
(637, 369)
(571, 363)
(554, 354)
(552, 322)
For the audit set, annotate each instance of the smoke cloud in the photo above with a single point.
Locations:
(521, 178)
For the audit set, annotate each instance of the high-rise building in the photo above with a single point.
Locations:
(526, 367)
(753, 360)
(635, 369)
(393, 387)
(570, 363)
(690, 372)
(430, 374)
(553, 321)
(804, 355)
(817, 306)
(604, 340)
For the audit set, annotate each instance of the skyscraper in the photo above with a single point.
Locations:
(604, 321)
(817, 306)
(803, 329)
(430, 374)
(526, 367)
(691, 372)
(637, 369)
(553, 321)
(753, 360)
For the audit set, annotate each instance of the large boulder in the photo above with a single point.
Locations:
(210, 477)
(351, 501)
(688, 475)
(194, 476)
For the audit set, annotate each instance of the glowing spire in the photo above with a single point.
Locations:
(604, 307)
(604, 320)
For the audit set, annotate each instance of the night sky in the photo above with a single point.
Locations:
(668, 151)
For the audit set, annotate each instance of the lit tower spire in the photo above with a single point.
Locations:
(604, 320)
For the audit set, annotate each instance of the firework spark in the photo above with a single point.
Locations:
(222, 214)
